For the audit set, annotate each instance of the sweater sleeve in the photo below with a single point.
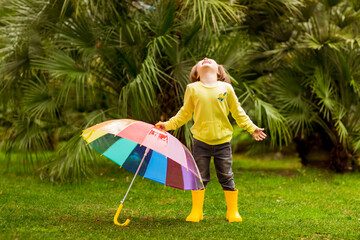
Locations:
(239, 114)
(184, 114)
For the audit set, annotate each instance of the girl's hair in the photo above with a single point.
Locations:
(221, 75)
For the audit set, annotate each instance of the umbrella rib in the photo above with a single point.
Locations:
(137, 171)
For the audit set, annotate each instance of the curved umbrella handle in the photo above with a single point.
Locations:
(117, 215)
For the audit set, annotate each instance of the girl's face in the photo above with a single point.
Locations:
(207, 64)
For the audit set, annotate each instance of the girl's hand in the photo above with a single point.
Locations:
(160, 125)
(259, 135)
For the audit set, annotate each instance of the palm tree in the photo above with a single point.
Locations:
(307, 66)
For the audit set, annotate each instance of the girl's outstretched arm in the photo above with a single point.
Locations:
(242, 119)
(183, 115)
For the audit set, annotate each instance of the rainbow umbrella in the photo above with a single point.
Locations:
(147, 151)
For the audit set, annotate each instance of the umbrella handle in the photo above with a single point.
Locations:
(117, 215)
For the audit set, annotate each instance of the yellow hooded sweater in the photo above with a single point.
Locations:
(211, 107)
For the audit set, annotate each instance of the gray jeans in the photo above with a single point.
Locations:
(203, 152)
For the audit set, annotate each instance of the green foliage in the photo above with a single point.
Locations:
(64, 61)
(68, 64)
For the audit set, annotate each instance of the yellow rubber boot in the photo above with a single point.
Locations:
(197, 206)
(232, 213)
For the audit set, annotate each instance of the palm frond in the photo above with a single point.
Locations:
(300, 122)
(104, 10)
(161, 20)
(80, 34)
(158, 43)
(321, 32)
(213, 13)
(71, 74)
(39, 99)
(274, 121)
(138, 94)
(356, 140)
(28, 135)
(345, 16)
(71, 163)
(324, 90)
(340, 126)
(268, 117)
(287, 88)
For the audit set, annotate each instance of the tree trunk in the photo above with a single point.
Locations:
(318, 150)
(340, 159)
(303, 150)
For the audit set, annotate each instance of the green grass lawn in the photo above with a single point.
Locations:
(278, 200)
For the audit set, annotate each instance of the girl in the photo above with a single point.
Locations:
(209, 99)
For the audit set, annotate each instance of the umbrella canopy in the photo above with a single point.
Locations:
(124, 141)
(147, 151)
